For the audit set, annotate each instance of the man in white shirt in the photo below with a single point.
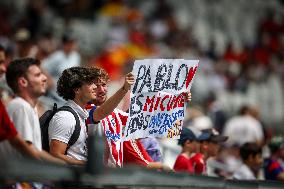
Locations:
(57, 62)
(76, 85)
(244, 127)
(251, 155)
(25, 78)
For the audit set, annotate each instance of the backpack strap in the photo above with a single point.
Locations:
(75, 135)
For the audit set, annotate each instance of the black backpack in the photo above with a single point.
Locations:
(44, 123)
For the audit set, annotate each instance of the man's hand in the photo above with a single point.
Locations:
(129, 80)
(187, 96)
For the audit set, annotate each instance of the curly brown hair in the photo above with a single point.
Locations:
(74, 78)
(102, 74)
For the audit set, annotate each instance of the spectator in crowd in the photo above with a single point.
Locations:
(189, 140)
(25, 78)
(152, 147)
(244, 128)
(60, 60)
(209, 147)
(76, 85)
(7, 128)
(120, 153)
(251, 155)
(272, 166)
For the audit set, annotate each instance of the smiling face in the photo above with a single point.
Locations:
(36, 81)
(101, 91)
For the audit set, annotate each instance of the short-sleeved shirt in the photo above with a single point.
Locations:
(183, 164)
(26, 121)
(7, 128)
(198, 163)
(244, 173)
(135, 153)
(118, 153)
(62, 126)
(272, 169)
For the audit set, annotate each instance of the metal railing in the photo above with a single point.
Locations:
(98, 176)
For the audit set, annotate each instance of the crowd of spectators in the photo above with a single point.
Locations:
(238, 89)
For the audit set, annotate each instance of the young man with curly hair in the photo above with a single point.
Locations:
(76, 85)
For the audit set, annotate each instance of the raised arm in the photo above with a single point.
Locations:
(108, 106)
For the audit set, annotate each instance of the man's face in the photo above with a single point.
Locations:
(37, 81)
(213, 148)
(101, 91)
(87, 92)
(256, 162)
(2, 63)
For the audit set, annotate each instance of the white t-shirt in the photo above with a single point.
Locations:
(62, 126)
(57, 62)
(242, 129)
(244, 173)
(26, 121)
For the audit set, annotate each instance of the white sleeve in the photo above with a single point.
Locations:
(21, 118)
(61, 126)
(258, 132)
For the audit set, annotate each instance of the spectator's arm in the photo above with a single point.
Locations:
(22, 146)
(28, 148)
(58, 149)
(159, 165)
(107, 107)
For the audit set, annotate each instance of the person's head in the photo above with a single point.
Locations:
(211, 145)
(69, 43)
(2, 61)
(102, 88)
(251, 154)
(24, 76)
(77, 83)
(189, 139)
(276, 146)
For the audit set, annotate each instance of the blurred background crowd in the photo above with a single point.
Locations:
(240, 45)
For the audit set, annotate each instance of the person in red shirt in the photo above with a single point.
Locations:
(209, 147)
(189, 140)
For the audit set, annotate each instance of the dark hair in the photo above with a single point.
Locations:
(18, 68)
(74, 78)
(244, 109)
(248, 149)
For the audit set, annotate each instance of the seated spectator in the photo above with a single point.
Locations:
(209, 147)
(272, 166)
(189, 140)
(251, 155)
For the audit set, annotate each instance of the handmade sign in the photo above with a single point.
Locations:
(158, 97)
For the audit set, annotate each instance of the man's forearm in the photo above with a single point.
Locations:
(45, 156)
(69, 160)
(108, 106)
(22, 146)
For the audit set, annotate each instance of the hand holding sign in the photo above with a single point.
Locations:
(129, 80)
(187, 96)
(158, 97)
